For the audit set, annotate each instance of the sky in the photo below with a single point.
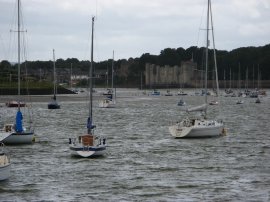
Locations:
(129, 27)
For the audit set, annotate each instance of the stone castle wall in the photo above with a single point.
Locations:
(181, 76)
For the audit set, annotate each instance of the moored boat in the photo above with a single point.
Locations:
(89, 145)
(200, 126)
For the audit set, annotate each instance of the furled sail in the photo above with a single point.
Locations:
(19, 117)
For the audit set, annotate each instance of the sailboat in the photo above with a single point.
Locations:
(89, 145)
(17, 133)
(110, 98)
(14, 103)
(201, 126)
(53, 104)
(181, 102)
(5, 164)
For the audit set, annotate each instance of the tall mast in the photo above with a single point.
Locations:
(214, 46)
(71, 76)
(112, 78)
(54, 76)
(112, 68)
(107, 75)
(230, 78)
(259, 75)
(247, 78)
(206, 52)
(224, 79)
(141, 80)
(239, 77)
(19, 53)
(91, 74)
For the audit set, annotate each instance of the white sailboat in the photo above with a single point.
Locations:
(17, 133)
(110, 100)
(53, 104)
(200, 126)
(89, 145)
(5, 164)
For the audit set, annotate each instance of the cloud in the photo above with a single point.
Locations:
(132, 28)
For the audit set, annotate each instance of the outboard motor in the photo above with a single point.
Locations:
(69, 140)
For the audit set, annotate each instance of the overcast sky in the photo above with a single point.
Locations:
(130, 27)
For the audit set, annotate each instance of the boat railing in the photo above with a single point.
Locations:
(8, 127)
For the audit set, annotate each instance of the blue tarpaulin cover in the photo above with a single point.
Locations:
(19, 118)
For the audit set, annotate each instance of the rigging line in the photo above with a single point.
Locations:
(12, 41)
(3, 47)
(96, 10)
(88, 46)
(201, 21)
(96, 44)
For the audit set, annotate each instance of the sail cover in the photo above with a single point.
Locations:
(89, 123)
(19, 118)
(197, 108)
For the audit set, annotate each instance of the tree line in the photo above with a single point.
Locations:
(128, 71)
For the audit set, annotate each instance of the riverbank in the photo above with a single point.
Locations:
(34, 91)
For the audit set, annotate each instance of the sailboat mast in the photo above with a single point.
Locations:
(206, 52)
(239, 77)
(112, 77)
(71, 76)
(54, 76)
(230, 78)
(112, 67)
(107, 75)
(214, 46)
(19, 49)
(91, 74)
(259, 75)
(141, 80)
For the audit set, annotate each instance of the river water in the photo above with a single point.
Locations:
(143, 162)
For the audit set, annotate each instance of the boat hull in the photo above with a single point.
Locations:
(5, 172)
(53, 106)
(19, 138)
(15, 104)
(87, 151)
(106, 104)
(4, 166)
(196, 131)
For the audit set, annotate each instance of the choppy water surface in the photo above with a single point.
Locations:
(143, 162)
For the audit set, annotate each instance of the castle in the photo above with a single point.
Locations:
(166, 76)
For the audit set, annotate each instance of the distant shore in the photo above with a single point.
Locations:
(34, 91)
(47, 98)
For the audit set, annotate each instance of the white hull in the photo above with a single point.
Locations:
(19, 138)
(4, 164)
(4, 135)
(200, 129)
(5, 172)
(106, 104)
(87, 152)
(87, 146)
